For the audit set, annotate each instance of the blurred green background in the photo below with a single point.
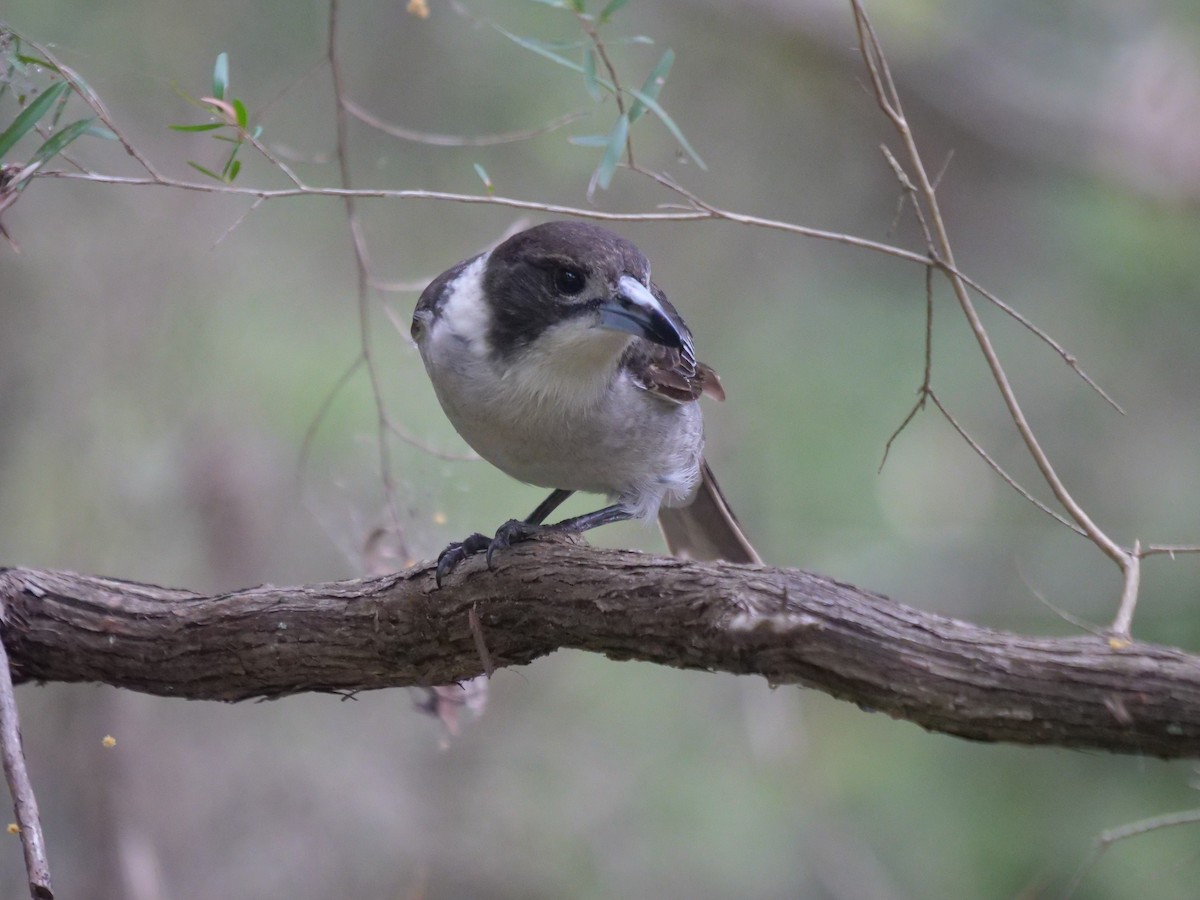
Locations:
(157, 381)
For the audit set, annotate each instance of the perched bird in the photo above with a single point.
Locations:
(562, 364)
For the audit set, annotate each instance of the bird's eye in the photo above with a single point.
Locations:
(569, 281)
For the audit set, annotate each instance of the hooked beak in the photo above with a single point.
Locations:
(635, 310)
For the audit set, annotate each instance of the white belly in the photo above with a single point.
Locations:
(571, 422)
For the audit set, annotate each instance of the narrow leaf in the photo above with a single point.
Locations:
(654, 84)
(655, 108)
(483, 176)
(589, 140)
(589, 74)
(208, 172)
(209, 127)
(58, 141)
(612, 154)
(234, 169)
(95, 129)
(613, 7)
(29, 116)
(541, 49)
(221, 76)
(239, 109)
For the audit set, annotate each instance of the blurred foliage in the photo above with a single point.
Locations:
(157, 380)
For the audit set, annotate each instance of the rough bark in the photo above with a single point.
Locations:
(787, 625)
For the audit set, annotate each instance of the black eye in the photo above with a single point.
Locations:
(569, 281)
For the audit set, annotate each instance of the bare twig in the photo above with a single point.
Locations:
(888, 99)
(1124, 832)
(37, 865)
(996, 467)
(924, 390)
(361, 262)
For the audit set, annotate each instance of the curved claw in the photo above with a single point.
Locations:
(511, 532)
(456, 552)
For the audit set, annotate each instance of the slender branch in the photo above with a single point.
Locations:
(889, 101)
(786, 625)
(37, 865)
(361, 264)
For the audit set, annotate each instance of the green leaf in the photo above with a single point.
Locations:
(59, 140)
(654, 84)
(540, 48)
(589, 74)
(233, 170)
(29, 116)
(577, 5)
(239, 109)
(612, 154)
(589, 140)
(209, 127)
(208, 172)
(655, 108)
(95, 129)
(613, 7)
(221, 76)
(483, 176)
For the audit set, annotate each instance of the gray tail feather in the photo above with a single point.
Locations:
(706, 529)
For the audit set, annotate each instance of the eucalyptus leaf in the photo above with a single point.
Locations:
(60, 139)
(221, 76)
(654, 83)
(207, 127)
(483, 176)
(208, 172)
(28, 117)
(613, 7)
(541, 49)
(589, 74)
(589, 140)
(612, 153)
(655, 108)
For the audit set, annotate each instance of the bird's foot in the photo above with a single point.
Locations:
(456, 552)
(511, 532)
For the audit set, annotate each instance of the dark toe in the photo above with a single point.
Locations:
(511, 532)
(455, 553)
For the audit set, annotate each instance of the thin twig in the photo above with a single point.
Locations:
(37, 865)
(585, 22)
(888, 99)
(999, 470)
(93, 100)
(924, 390)
(361, 262)
(1168, 549)
(1124, 832)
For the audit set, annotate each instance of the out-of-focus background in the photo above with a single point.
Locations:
(157, 382)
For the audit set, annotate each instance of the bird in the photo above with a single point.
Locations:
(560, 362)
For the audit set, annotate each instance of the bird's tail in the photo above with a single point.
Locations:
(707, 528)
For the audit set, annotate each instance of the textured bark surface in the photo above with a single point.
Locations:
(786, 625)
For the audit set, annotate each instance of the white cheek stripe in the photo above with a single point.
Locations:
(465, 311)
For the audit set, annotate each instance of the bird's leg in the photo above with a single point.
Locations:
(510, 532)
(513, 531)
(516, 530)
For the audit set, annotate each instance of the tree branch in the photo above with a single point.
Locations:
(787, 625)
